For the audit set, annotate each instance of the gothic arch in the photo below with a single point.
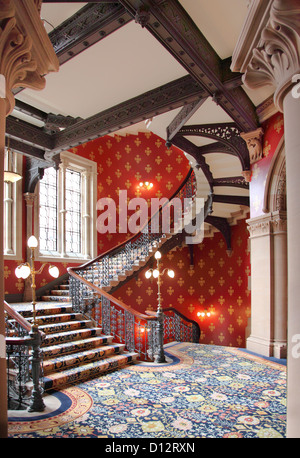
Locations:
(275, 188)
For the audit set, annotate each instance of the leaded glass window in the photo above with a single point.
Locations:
(73, 212)
(65, 215)
(48, 211)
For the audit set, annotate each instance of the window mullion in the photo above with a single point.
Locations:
(62, 210)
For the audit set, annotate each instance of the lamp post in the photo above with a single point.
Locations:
(156, 273)
(25, 270)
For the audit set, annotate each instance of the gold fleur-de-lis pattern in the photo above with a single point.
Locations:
(218, 284)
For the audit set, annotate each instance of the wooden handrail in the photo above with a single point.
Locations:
(16, 316)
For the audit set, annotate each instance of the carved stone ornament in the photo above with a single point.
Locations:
(26, 53)
(277, 58)
(254, 143)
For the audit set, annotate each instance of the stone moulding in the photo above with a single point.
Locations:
(26, 52)
(275, 56)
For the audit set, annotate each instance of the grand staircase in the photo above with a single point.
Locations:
(74, 348)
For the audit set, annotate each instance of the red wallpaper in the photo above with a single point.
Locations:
(273, 132)
(216, 283)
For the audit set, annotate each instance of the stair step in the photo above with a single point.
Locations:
(88, 371)
(57, 318)
(56, 298)
(68, 336)
(44, 309)
(60, 327)
(66, 362)
(58, 292)
(77, 345)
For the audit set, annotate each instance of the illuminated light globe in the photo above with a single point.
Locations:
(53, 271)
(32, 242)
(155, 273)
(171, 273)
(148, 274)
(157, 255)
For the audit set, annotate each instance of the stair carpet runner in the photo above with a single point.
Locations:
(73, 349)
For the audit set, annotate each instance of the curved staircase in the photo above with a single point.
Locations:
(86, 331)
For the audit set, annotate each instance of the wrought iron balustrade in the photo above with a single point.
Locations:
(91, 282)
(24, 362)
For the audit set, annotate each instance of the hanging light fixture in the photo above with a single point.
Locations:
(9, 175)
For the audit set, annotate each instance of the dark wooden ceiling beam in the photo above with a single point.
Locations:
(182, 117)
(27, 133)
(86, 27)
(170, 24)
(152, 103)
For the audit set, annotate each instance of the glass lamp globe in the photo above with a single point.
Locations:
(53, 271)
(148, 274)
(32, 242)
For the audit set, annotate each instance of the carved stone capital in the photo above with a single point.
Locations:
(26, 53)
(276, 59)
(267, 225)
(254, 143)
(29, 198)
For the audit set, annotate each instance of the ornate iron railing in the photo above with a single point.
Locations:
(24, 362)
(90, 283)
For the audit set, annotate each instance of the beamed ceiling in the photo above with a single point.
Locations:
(124, 62)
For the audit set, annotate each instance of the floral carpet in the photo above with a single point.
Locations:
(202, 391)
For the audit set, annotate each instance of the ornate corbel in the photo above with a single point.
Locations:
(277, 58)
(26, 53)
(254, 143)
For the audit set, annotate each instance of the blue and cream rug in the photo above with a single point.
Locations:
(202, 391)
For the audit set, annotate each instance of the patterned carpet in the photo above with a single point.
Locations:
(202, 391)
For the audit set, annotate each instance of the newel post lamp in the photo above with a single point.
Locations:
(156, 273)
(25, 270)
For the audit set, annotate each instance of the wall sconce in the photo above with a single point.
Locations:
(204, 314)
(156, 273)
(145, 185)
(25, 270)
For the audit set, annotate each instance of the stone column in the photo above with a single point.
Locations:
(276, 61)
(26, 55)
(268, 235)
